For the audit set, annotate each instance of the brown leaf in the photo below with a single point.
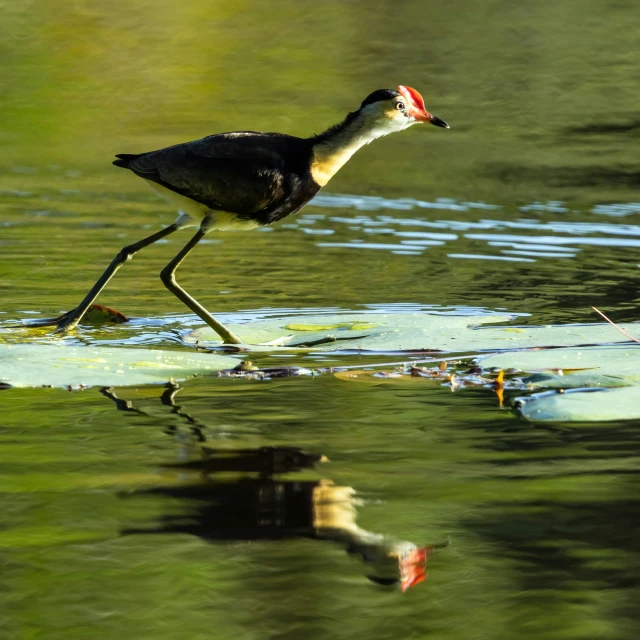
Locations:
(99, 314)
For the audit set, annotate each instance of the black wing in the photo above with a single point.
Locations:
(241, 172)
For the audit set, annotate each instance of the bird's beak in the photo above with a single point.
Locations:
(438, 122)
(422, 115)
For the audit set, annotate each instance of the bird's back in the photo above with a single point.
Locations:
(258, 176)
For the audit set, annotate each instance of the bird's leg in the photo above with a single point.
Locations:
(70, 320)
(167, 275)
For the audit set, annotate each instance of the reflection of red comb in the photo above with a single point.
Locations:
(412, 580)
(412, 96)
(413, 569)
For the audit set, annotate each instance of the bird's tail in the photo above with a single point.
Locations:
(124, 159)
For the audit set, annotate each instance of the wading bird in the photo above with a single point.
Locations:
(246, 179)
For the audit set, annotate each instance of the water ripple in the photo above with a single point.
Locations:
(548, 239)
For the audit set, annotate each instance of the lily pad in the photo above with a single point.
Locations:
(600, 369)
(356, 326)
(37, 365)
(409, 332)
(352, 331)
(581, 376)
(99, 314)
(96, 314)
(589, 405)
(611, 366)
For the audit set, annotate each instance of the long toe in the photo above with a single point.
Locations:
(65, 322)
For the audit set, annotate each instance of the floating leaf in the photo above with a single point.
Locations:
(37, 365)
(591, 405)
(95, 314)
(611, 366)
(384, 332)
(601, 369)
(99, 314)
(412, 332)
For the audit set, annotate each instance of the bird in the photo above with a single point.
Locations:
(247, 179)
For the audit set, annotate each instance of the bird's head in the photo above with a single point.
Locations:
(390, 111)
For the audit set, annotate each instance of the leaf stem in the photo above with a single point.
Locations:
(615, 326)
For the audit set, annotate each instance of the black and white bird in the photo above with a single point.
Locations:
(246, 179)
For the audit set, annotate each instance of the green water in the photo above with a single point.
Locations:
(110, 528)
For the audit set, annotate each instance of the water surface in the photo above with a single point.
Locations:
(111, 522)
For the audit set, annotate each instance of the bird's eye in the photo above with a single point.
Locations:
(400, 106)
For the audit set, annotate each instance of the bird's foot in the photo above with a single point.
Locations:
(66, 322)
(62, 323)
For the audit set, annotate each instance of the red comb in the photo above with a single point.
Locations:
(412, 96)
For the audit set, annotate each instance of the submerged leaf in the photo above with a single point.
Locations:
(412, 374)
(361, 375)
(246, 369)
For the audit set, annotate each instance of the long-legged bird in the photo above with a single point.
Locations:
(247, 179)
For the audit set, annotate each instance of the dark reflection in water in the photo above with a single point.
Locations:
(238, 497)
(266, 508)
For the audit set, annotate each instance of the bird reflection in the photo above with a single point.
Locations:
(257, 506)
(235, 494)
